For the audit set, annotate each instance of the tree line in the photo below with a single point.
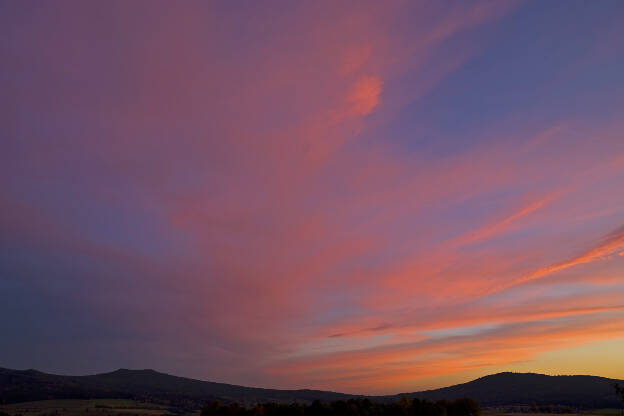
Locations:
(351, 407)
(620, 392)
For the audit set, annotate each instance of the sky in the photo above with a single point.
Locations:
(367, 197)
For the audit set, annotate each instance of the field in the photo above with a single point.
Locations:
(123, 407)
(100, 407)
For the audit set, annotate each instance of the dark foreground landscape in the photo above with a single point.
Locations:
(151, 392)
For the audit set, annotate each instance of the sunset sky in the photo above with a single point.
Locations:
(368, 197)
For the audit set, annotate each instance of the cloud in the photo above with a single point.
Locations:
(609, 245)
(364, 95)
(300, 203)
(402, 363)
(503, 225)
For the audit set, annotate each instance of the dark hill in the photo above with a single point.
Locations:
(585, 392)
(19, 386)
(502, 389)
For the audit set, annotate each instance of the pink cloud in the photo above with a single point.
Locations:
(364, 95)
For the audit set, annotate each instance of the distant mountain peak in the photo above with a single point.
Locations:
(129, 370)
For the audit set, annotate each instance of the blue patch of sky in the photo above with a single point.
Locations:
(537, 67)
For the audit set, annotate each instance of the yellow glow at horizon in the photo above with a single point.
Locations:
(600, 358)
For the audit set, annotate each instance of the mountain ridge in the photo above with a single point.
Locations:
(501, 389)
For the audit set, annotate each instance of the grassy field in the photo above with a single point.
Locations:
(103, 407)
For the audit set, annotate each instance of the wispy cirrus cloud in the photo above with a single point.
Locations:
(611, 245)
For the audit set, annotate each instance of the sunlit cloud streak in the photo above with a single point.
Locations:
(612, 244)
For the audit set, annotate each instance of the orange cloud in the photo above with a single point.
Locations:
(364, 95)
(503, 225)
(399, 367)
(610, 245)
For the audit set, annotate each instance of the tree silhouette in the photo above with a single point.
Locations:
(620, 392)
(351, 407)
